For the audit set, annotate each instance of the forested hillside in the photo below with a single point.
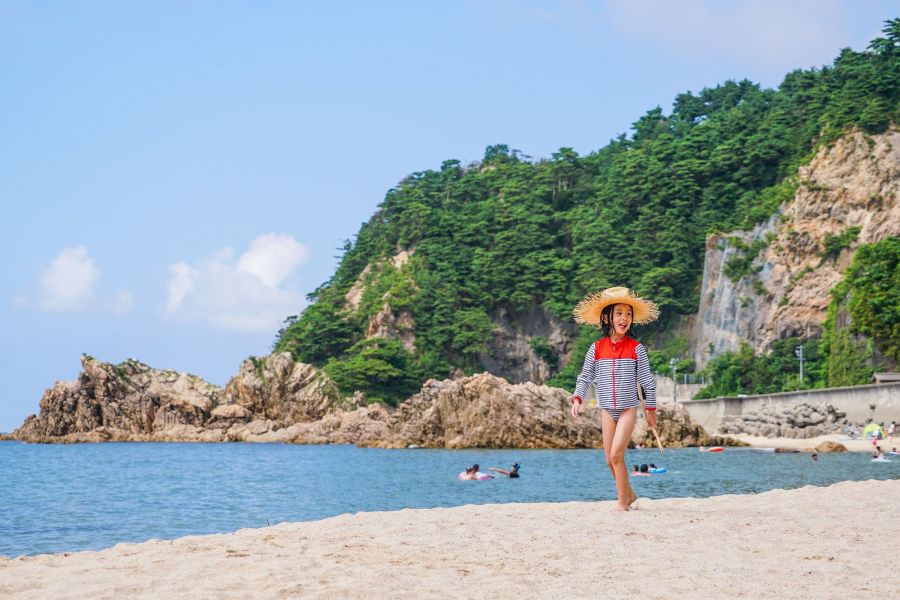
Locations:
(513, 233)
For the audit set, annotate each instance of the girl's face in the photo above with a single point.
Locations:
(621, 318)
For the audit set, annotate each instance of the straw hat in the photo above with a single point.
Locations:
(588, 310)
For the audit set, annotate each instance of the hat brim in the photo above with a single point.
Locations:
(588, 311)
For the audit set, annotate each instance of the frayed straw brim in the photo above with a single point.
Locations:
(588, 310)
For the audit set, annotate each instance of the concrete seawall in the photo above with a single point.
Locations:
(880, 402)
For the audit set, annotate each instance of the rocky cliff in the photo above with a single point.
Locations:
(852, 183)
(274, 399)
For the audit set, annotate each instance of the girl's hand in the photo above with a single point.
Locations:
(576, 407)
(651, 418)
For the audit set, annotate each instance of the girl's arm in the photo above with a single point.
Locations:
(645, 377)
(586, 376)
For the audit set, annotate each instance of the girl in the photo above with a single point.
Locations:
(615, 365)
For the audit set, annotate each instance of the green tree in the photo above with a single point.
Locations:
(381, 369)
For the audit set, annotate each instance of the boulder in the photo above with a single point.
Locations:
(830, 446)
(275, 387)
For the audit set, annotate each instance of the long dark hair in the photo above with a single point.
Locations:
(606, 319)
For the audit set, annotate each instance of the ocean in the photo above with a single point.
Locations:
(66, 498)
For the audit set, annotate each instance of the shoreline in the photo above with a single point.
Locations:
(760, 545)
(808, 444)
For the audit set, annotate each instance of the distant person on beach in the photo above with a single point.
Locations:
(616, 364)
(513, 472)
(891, 429)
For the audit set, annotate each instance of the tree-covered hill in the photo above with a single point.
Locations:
(513, 233)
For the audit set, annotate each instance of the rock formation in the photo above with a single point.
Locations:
(274, 399)
(129, 396)
(133, 402)
(851, 183)
(487, 411)
(511, 353)
(829, 446)
(283, 391)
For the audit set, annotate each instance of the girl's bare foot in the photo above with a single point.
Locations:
(622, 507)
(632, 498)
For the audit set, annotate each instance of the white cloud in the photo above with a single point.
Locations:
(249, 293)
(68, 285)
(272, 258)
(773, 35)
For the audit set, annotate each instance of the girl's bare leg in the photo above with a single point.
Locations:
(615, 441)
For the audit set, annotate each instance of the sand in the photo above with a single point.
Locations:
(839, 541)
(810, 443)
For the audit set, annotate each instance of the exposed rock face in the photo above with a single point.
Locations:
(130, 396)
(510, 354)
(275, 400)
(854, 182)
(800, 421)
(487, 411)
(385, 324)
(276, 388)
(132, 402)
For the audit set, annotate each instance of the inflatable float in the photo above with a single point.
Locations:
(479, 476)
(656, 470)
(712, 449)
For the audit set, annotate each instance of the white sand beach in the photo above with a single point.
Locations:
(839, 541)
(857, 445)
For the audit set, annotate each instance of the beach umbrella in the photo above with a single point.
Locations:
(874, 431)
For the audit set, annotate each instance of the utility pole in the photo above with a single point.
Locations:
(798, 351)
(673, 364)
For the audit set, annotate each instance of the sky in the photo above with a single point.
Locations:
(176, 177)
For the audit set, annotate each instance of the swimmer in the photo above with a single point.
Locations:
(467, 475)
(478, 475)
(513, 472)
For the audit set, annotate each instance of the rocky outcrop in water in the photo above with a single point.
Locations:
(855, 182)
(129, 397)
(487, 411)
(133, 402)
(274, 399)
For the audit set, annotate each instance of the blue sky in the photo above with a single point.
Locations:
(175, 177)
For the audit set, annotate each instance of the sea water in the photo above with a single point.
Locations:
(63, 498)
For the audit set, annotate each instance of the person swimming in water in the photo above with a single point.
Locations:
(467, 475)
(513, 472)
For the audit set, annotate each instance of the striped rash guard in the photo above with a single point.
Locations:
(615, 368)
